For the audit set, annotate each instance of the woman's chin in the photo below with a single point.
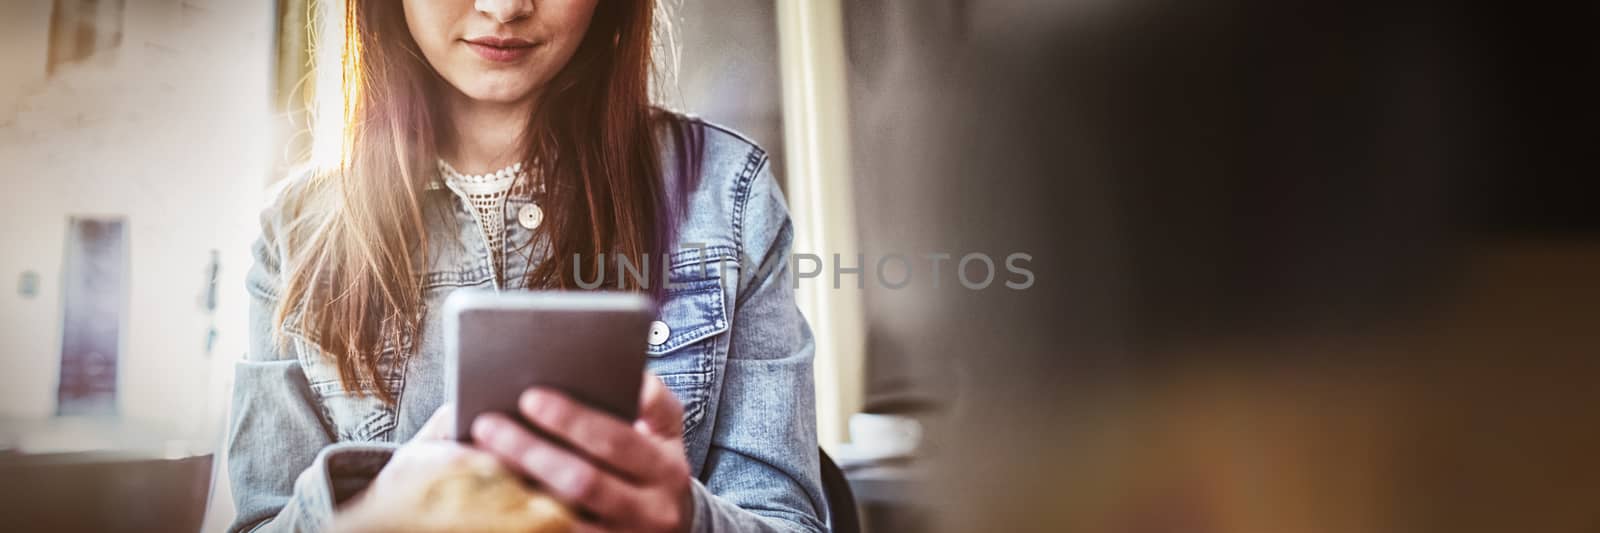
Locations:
(497, 97)
(494, 91)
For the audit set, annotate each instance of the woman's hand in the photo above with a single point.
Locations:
(627, 478)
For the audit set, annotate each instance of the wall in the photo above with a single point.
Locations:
(169, 131)
(727, 68)
(24, 31)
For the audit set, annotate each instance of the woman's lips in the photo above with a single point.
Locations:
(501, 50)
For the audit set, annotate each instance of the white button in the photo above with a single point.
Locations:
(658, 333)
(530, 216)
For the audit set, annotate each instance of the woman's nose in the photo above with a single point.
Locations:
(505, 11)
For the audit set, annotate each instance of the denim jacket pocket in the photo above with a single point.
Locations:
(357, 414)
(696, 318)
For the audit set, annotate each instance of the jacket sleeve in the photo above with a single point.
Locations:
(762, 471)
(286, 472)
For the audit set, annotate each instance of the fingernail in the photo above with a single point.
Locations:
(482, 427)
(534, 400)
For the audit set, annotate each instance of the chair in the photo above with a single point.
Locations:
(842, 513)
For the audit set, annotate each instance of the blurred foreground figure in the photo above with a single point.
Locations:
(1302, 268)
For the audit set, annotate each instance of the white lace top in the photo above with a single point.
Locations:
(487, 194)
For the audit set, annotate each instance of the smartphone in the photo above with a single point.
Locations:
(589, 345)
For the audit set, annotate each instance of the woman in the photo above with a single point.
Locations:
(509, 144)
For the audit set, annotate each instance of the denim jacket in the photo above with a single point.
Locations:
(738, 355)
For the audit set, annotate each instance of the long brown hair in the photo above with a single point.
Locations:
(355, 273)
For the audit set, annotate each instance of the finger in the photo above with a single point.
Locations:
(659, 409)
(595, 433)
(567, 476)
(439, 424)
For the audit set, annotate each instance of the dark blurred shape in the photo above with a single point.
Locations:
(79, 29)
(102, 492)
(843, 516)
(1302, 266)
(69, 473)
